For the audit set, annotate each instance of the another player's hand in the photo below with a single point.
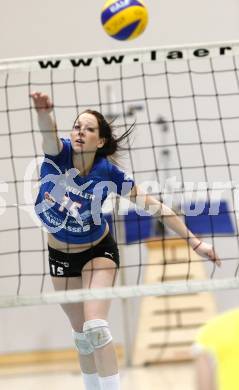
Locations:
(207, 250)
(42, 102)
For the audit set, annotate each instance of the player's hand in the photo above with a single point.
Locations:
(42, 102)
(207, 250)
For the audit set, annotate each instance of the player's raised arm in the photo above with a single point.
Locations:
(52, 145)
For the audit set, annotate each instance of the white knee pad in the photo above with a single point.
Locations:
(82, 344)
(97, 333)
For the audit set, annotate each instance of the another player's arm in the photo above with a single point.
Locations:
(169, 218)
(205, 372)
(51, 144)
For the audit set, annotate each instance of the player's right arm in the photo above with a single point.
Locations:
(51, 144)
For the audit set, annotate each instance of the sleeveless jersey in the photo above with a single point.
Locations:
(70, 205)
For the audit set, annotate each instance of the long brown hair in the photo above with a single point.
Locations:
(106, 130)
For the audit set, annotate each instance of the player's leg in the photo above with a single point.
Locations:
(74, 311)
(99, 273)
(75, 314)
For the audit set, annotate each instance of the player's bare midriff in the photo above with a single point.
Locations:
(74, 248)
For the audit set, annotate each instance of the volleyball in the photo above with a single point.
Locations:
(124, 19)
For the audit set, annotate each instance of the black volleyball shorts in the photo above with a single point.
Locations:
(71, 264)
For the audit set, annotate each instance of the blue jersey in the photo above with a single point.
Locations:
(70, 205)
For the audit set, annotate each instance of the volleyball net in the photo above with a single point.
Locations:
(184, 151)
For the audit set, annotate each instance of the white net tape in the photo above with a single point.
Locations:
(123, 292)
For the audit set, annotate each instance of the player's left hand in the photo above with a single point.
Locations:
(207, 250)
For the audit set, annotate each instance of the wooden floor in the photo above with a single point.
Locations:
(162, 377)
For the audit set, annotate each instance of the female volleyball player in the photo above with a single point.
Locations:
(76, 177)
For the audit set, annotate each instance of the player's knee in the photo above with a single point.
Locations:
(82, 344)
(97, 333)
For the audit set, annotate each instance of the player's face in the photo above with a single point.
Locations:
(85, 134)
